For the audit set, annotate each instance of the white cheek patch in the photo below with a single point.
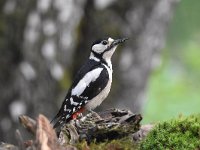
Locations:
(85, 81)
(99, 48)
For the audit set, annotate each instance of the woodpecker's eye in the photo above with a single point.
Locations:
(104, 42)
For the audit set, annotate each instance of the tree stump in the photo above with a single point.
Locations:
(109, 125)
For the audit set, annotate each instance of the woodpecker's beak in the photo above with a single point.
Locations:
(114, 43)
(117, 42)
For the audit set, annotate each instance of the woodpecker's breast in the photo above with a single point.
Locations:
(96, 101)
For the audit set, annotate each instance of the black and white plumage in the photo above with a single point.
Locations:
(92, 82)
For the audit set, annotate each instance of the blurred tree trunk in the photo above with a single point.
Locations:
(145, 23)
(13, 15)
(36, 45)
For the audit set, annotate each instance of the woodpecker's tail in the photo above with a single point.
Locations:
(59, 120)
(55, 119)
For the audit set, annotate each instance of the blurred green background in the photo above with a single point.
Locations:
(174, 87)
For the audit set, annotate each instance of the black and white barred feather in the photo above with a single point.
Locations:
(96, 75)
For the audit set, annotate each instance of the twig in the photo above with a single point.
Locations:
(28, 123)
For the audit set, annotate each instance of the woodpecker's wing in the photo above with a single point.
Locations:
(88, 83)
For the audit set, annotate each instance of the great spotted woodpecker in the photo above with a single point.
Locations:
(92, 83)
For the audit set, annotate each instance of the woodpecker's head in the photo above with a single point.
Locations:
(104, 48)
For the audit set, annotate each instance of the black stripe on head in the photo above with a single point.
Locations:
(97, 55)
(98, 41)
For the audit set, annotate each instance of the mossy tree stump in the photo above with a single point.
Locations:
(109, 125)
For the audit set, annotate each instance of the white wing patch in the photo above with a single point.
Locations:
(85, 81)
(65, 108)
(72, 102)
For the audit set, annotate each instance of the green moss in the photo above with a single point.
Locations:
(181, 133)
(120, 144)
